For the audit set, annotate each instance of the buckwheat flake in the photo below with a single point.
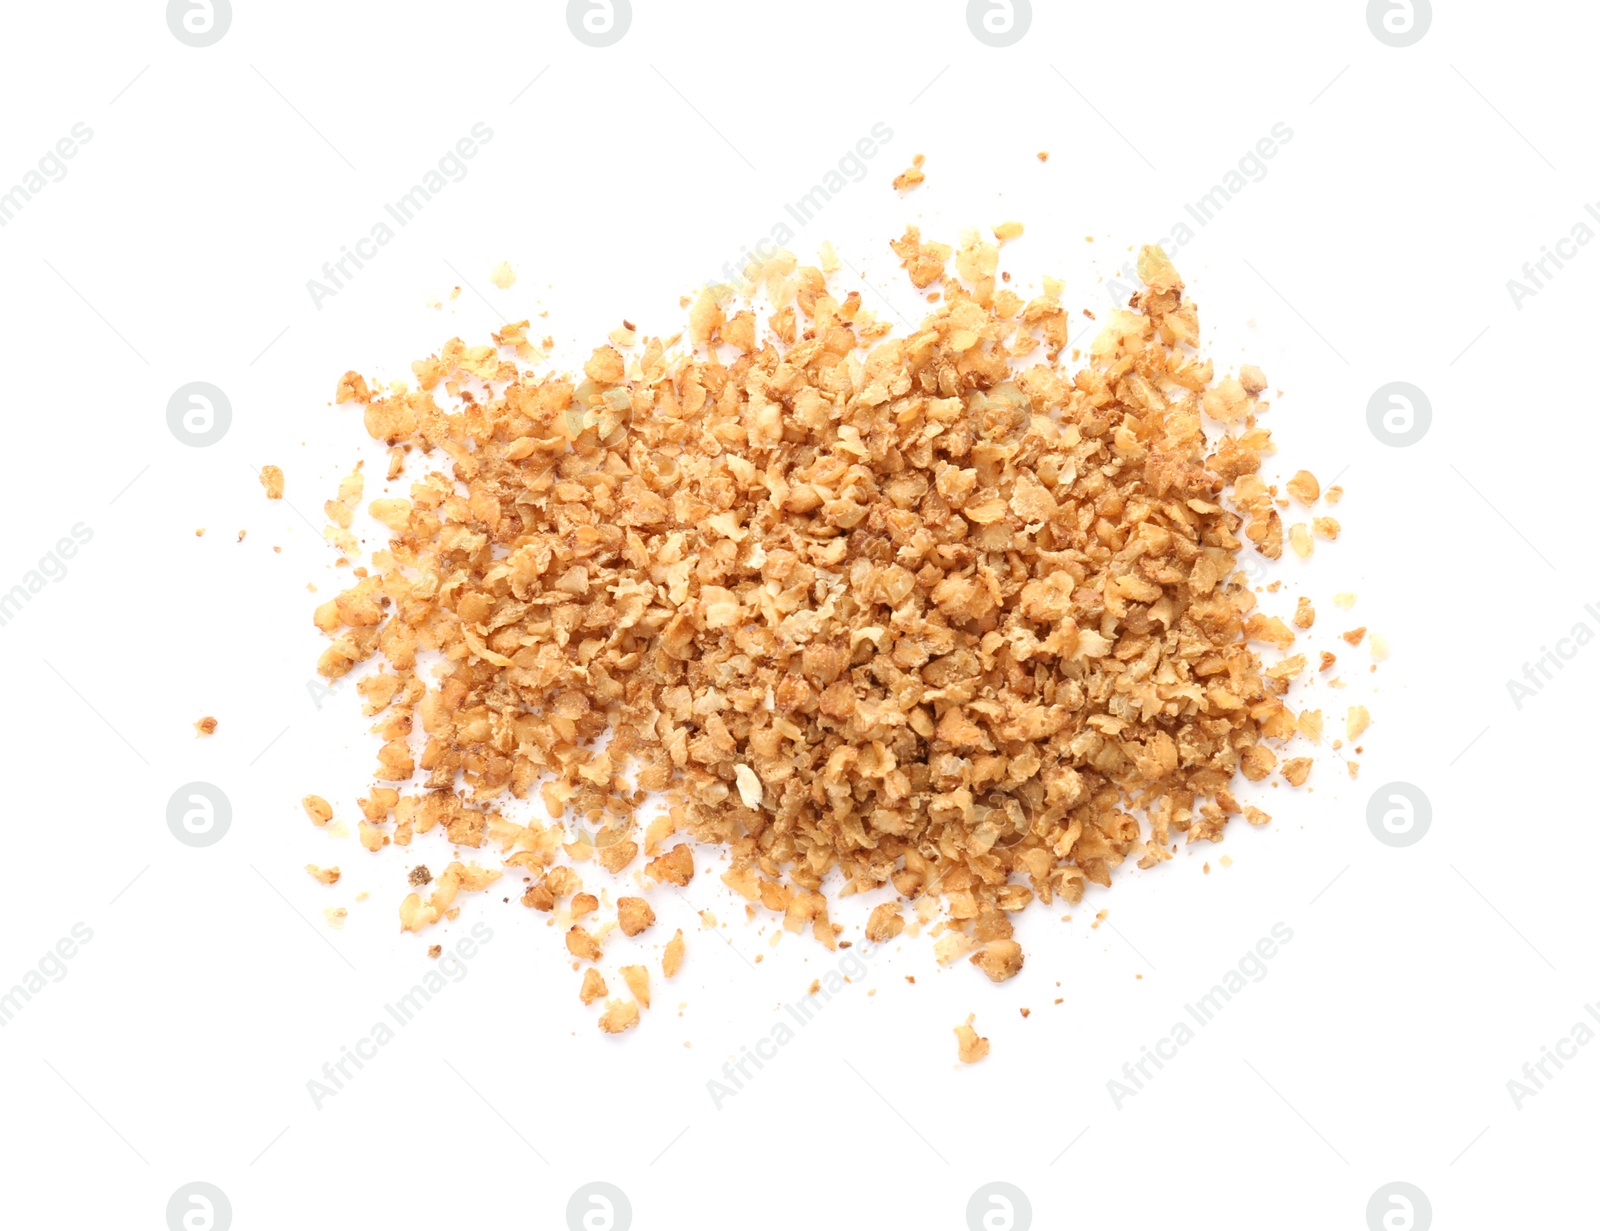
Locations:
(911, 176)
(594, 986)
(634, 915)
(638, 980)
(970, 1046)
(931, 612)
(672, 955)
(619, 1015)
(1304, 487)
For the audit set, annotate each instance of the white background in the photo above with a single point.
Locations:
(1377, 248)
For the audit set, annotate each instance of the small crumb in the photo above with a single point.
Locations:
(1333, 494)
(335, 916)
(206, 726)
(1304, 487)
(1356, 720)
(1043, 155)
(434, 951)
(911, 176)
(318, 809)
(420, 875)
(502, 275)
(1305, 615)
(619, 1015)
(1344, 600)
(1355, 634)
(1378, 646)
(1226, 861)
(272, 479)
(638, 980)
(1008, 231)
(672, 956)
(326, 876)
(200, 533)
(971, 1047)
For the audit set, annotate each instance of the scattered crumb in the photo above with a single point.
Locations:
(911, 176)
(502, 275)
(206, 726)
(672, 955)
(970, 1046)
(619, 1015)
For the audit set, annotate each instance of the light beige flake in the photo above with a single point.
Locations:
(970, 1046)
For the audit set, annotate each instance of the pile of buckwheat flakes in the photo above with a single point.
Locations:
(931, 612)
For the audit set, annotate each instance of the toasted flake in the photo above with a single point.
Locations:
(638, 981)
(634, 915)
(619, 1015)
(672, 955)
(1304, 487)
(970, 1046)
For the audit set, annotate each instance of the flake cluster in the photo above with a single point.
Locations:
(929, 611)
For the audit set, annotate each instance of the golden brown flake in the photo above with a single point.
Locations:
(672, 955)
(638, 980)
(970, 1046)
(272, 479)
(594, 986)
(634, 915)
(931, 611)
(206, 726)
(619, 1015)
(1304, 487)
